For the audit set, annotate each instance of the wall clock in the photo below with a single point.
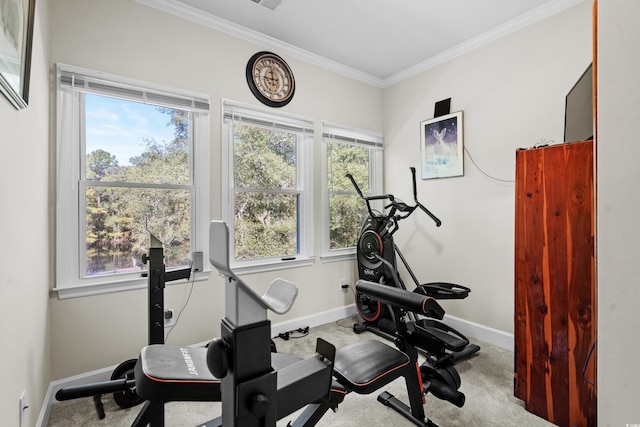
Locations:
(270, 79)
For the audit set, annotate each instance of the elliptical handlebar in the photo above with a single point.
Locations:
(396, 204)
(367, 199)
(420, 205)
(355, 185)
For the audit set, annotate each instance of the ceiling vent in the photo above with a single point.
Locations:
(269, 4)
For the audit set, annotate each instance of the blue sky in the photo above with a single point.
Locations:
(119, 126)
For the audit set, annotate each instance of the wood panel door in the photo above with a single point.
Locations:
(555, 295)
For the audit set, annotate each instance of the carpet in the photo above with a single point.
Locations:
(487, 382)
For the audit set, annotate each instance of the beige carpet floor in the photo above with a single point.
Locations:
(487, 382)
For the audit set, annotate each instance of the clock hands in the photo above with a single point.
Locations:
(272, 80)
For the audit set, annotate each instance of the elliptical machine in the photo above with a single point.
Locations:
(376, 256)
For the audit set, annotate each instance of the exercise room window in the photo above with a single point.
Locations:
(358, 152)
(268, 197)
(132, 160)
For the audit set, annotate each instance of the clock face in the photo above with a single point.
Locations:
(270, 79)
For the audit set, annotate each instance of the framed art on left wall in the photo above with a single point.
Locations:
(16, 38)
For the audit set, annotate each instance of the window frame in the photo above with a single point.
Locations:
(250, 115)
(71, 85)
(354, 136)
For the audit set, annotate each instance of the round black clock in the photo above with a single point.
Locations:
(270, 79)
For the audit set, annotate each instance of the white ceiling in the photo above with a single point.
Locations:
(377, 41)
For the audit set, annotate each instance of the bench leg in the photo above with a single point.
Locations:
(311, 415)
(151, 414)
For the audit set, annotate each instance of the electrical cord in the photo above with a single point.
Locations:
(290, 335)
(193, 279)
(482, 171)
(586, 363)
(353, 318)
(348, 322)
(543, 142)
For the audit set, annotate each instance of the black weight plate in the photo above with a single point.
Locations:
(129, 397)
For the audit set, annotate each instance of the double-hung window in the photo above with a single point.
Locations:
(267, 187)
(352, 151)
(132, 161)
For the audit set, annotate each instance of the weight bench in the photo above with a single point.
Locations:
(257, 387)
(177, 373)
(367, 366)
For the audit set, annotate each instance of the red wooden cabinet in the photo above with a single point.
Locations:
(555, 292)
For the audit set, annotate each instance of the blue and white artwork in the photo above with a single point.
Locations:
(441, 143)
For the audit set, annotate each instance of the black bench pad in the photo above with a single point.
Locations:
(366, 366)
(171, 373)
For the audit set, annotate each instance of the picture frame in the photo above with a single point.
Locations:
(16, 39)
(441, 142)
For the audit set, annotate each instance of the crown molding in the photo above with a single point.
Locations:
(198, 16)
(538, 14)
(208, 20)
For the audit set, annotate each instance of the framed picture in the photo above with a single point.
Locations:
(16, 36)
(441, 143)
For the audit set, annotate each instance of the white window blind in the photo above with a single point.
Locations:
(351, 135)
(246, 114)
(80, 80)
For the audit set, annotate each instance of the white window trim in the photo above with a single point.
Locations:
(305, 176)
(355, 136)
(69, 283)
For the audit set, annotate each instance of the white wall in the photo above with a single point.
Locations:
(512, 92)
(129, 39)
(618, 204)
(24, 228)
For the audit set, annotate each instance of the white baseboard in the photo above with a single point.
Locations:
(480, 332)
(470, 329)
(313, 320)
(98, 375)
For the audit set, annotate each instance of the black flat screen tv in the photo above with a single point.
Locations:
(578, 115)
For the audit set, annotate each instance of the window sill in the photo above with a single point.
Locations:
(335, 257)
(271, 266)
(85, 290)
